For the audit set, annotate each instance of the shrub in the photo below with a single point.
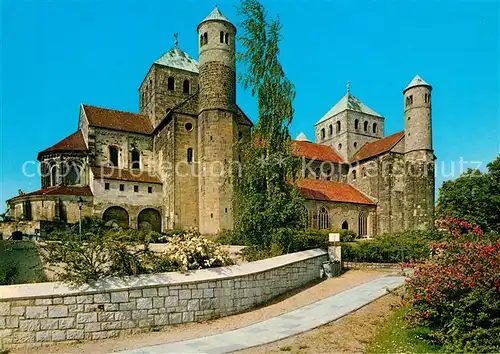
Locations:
(309, 239)
(456, 292)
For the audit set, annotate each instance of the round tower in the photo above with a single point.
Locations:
(419, 156)
(217, 78)
(217, 126)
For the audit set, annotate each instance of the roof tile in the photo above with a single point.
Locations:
(378, 147)
(348, 102)
(317, 189)
(61, 190)
(118, 120)
(124, 175)
(315, 151)
(74, 142)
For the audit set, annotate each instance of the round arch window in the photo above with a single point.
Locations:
(355, 144)
(340, 146)
(188, 126)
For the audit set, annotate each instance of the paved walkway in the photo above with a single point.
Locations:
(300, 320)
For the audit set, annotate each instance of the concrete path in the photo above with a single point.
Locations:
(300, 320)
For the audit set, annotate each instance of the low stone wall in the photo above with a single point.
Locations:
(48, 313)
(367, 265)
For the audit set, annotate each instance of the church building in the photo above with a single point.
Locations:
(161, 168)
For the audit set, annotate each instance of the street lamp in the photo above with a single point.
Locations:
(80, 205)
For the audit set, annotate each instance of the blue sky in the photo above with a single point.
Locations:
(58, 54)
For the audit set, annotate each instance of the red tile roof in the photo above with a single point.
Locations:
(124, 175)
(60, 190)
(315, 151)
(74, 142)
(378, 147)
(118, 120)
(331, 191)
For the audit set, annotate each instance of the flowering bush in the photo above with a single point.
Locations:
(456, 292)
(190, 250)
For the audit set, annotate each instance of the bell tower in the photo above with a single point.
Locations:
(217, 127)
(419, 156)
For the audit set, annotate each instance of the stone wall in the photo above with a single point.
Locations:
(48, 313)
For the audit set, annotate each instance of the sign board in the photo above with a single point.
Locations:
(334, 237)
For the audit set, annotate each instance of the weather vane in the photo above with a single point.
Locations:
(348, 87)
(176, 41)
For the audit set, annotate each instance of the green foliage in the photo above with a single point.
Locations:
(5, 216)
(474, 197)
(397, 336)
(20, 263)
(268, 208)
(397, 247)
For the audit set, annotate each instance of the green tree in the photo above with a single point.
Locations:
(474, 196)
(269, 208)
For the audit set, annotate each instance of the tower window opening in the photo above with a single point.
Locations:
(409, 100)
(170, 83)
(221, 37)
(330, 130)
(355, 144)
(356, 124)
(201, 40)
(27, 210)
(185, 87)
(113, 156)
(353, 175)
(205, 38)
(189, 155)
(427, 97)
(226, 38)
(136, 189)
(122, 187)
(150, 189)
(365, 128)
(323, 134)
(136, 159)
(340, 147)
(188, 126)
(106, 186)
(339, 126)
(317, 173)
(374, 128)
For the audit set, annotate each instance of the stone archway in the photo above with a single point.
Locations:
(149, 220)
(345, 225)
(116, 216)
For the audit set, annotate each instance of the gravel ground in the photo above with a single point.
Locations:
(286, 303)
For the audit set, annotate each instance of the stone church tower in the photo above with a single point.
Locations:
(217, 124)
(419, 156)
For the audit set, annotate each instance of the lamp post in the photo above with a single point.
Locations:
(80, 205)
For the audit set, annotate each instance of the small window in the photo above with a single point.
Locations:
(355, 144)
(356, 124)
(122, 187)
(353, 175)
(113, 156)
(409, 100)
(323, 134)
(185, 87)
(136, 159)
(188, 126)
(339, 126)
(189, 155)
(330, 130)
(363, 172)
(205, 38)
(374, 128)
(106, 186)
(201, 40)
(225, 210)
(339, 147)
(365, 128)
(150, 189)
(240, 135)
(27, 210)
(136, 189)
(226, 36)
(317, 173)
(409, 118)
(211, 215)
(171, 83)
(221, 37)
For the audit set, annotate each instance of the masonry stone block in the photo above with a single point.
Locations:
(105, 316)
(36, 312)
(69, 300)
(57, 300)
(149, 292)
(120, 296)
(43, 336)
(184, 294)
(58, 311)
(58, 336)
(102, 298)
(161, 319)
(158, 302)
(111, 307)
(123, 315)
(128, 305)
(74, 334)
(24, 337)
(163, 291)
(175, 318)
(85, 299)
(92, 327)
(106, 326)
(49, 323)
(86, 317)
(12, 322)
(39, 302)
(139, 314)
(144, 303)
(135, 293)
(171, 301)
(4, 308)
(66, 323)
(196, 294)
(193, 305)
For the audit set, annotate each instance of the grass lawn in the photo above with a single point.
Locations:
(395, 336)
(20, 262)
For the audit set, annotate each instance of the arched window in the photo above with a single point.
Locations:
(345, 225)
(149, 220)
(27, 210)
(363, 172)
(317, 173)
(363, 224)
(113, 156)
(54, 175)
(374, 128)
(330, 130)
(323, 134)
(221, 37)
(185, 87)
(226, 37)
(189, 154)
(116, 216)
(323, 219)
(205, 38)
(73, 176)
(353, 175)
(338, 126)
(171, 83)
(366, 127)
(201, 40)
(136, 159)
(340, 147)
(356, 124)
